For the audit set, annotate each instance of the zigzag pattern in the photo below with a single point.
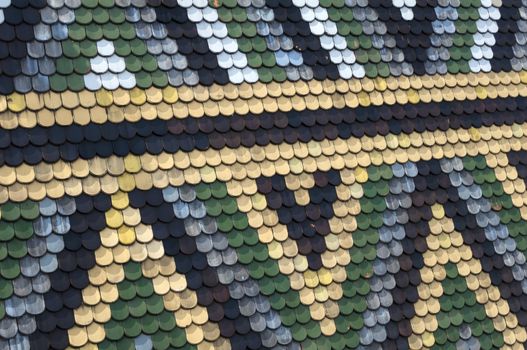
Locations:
(263, 175)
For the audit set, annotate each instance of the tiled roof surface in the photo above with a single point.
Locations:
(263, 174)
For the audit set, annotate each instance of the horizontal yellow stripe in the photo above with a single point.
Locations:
(351, 156)
(46, 109)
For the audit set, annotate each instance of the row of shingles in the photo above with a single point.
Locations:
(34, 145)
(156, 103)
(33, 235)
(195, 232)
(71, 275)
(463, 134)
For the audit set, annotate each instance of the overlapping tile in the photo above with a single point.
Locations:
(222, 174)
